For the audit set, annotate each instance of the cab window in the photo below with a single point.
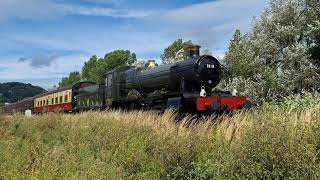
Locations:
(109, 80)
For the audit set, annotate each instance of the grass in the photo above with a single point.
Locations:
(266, 143)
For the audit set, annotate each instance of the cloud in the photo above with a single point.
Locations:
(113, 2)
(45, 76)
(220, 11)
(42, 9)
(109, 12)
(26, 9)
(40, 60)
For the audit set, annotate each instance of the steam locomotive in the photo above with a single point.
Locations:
(185, 85)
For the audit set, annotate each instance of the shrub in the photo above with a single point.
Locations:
(264, 143)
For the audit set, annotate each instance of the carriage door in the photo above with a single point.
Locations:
(108, 92)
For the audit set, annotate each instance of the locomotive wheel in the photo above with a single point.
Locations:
(134, 106)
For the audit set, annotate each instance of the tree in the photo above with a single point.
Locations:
(171, 53)
(119, 58)
(111, 61)
(239, 59)
(313, 17)
(73, 78)
(279, 40)
(89, 67)
(277, 50)
(95, 69)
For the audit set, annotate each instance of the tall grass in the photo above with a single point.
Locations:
(257, 144)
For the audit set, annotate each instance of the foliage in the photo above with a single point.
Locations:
(95, 69)
(274, 58)
(13, 91)
(313, 39)
(298, 103)
(266, 143)
(238, 60)
(170, 54)
(73, 78)
(89, 68)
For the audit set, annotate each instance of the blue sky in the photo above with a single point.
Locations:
(43, 40)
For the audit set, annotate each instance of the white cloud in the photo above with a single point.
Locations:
(98, 11)
(26, 9)
(220, 11)
(37, 9)
(114, 2)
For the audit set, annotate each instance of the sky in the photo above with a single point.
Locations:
(42, 41)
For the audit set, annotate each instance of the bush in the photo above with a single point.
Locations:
(296, 102)
(266, 143)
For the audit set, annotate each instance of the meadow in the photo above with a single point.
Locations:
(273, 141)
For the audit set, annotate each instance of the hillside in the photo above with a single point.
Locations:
(13, 91)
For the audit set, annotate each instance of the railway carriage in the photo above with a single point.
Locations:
(18, 107)
(60, 100)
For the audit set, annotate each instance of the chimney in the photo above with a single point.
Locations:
(193, 51)
(151, 64)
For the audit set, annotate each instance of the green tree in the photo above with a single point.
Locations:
(172, 52)
(111, 61)
(95, 69)
(312, 9)
(119, 58)
(238, 59)
(89, 67)
(73, 78)
(275, 55)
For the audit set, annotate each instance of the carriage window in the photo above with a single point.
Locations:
(47, 102)
(40, 103)
(66, 98)
(56, 100)
(60, 99)
(52, 101)
(109, 80)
